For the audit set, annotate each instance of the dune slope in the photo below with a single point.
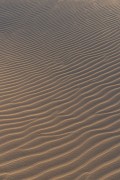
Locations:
(59, 89)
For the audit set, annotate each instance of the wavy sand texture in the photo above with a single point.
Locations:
(59, 89)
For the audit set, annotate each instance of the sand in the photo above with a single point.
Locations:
(59, 89)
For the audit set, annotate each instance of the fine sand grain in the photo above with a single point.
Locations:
(59, 89)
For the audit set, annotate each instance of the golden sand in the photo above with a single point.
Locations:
(59, 90)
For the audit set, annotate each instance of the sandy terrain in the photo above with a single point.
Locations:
(59, 89)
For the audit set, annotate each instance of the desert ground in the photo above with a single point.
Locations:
(59, 90)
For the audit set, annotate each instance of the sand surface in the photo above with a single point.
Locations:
(59, 90)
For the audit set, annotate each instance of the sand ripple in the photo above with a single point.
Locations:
(60, 89)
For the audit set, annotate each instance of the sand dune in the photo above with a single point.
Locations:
(60, 89)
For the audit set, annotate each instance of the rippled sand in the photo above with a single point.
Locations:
(59, 89)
